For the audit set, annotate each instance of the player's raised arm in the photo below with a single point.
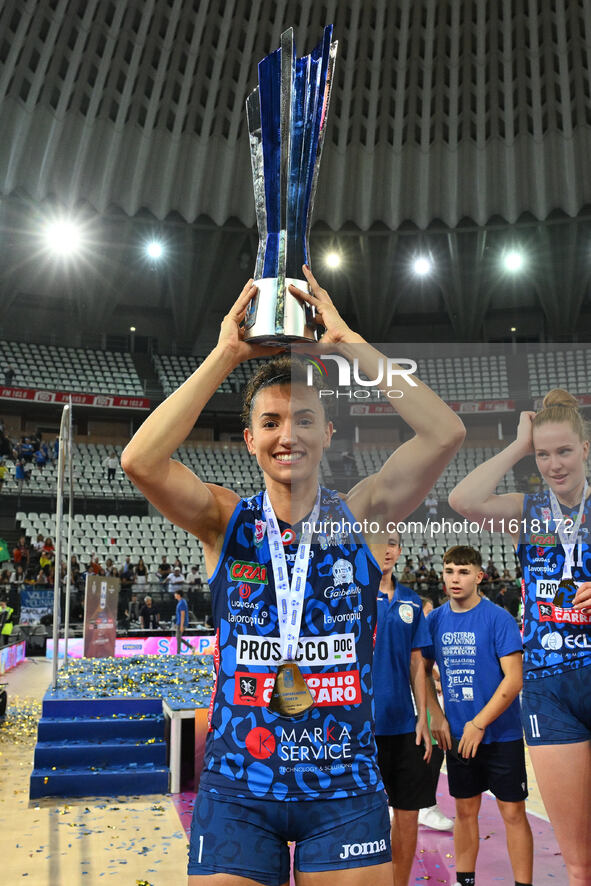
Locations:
(410, 472)
(413, 468)
(474, 497)
(171, 487)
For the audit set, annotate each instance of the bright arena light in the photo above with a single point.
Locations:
(63, 237)
(155, 249)
(332, 260)
(422, 266)
(513, 260)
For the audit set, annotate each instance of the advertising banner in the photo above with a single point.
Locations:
(127, 646)
(10, 656)
(35, 603)
(100, 616)
(104, 401)
(463, 407)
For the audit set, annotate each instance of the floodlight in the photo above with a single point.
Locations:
(63, 237)
(332, 260)
(513, 260)
(422, 266)
(155, 249)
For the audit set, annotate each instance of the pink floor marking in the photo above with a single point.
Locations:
(435, 861)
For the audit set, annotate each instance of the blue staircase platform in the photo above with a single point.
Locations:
(99, 747)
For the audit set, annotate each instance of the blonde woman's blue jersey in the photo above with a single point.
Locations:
(328, 752)
(556, 637)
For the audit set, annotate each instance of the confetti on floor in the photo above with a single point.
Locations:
(180, 679)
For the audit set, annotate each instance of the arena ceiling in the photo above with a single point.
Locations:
(457, 128)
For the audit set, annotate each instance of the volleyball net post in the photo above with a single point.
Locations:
(64, 454)
(70, 457)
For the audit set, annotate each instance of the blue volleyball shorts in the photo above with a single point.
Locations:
(557, 709)
(249, 837)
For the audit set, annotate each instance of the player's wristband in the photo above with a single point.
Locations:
(477, 726)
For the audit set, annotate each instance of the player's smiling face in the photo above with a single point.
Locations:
(288, 432)
(561, 458)
(461, 583)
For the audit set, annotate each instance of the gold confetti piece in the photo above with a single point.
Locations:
(45, 780)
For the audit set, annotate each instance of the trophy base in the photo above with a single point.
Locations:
(275, 316)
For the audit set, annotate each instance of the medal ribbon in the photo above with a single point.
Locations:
(290, 596)
(568, 540)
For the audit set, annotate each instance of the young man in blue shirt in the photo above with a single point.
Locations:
(402, 738)
(181, 619)
(478, 650)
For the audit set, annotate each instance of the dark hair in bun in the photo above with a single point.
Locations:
(560, 406)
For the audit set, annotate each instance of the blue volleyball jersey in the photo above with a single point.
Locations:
(556, 637)
(401, 628)
(330, 750)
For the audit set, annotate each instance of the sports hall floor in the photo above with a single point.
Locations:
(141, 841)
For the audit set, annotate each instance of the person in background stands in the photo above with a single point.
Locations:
(110, 569)
(175, 578)
(193, 578)
(408, 577)
(111, 462)
(94, 567)
(25, 449)
(19, 474)
(141, 572)
(431, 504)
(164, 570)
(28, 470)
(17, 577)
(40, 458)
(75, 570)
(20, 554)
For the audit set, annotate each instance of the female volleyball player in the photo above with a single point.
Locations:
(291, 711)
(550, 530)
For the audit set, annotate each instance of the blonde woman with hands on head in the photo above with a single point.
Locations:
(550, 530)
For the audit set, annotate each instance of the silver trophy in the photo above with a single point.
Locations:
(287, 116)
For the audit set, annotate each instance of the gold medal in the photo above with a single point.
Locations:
(566, 591)
(291, 696)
